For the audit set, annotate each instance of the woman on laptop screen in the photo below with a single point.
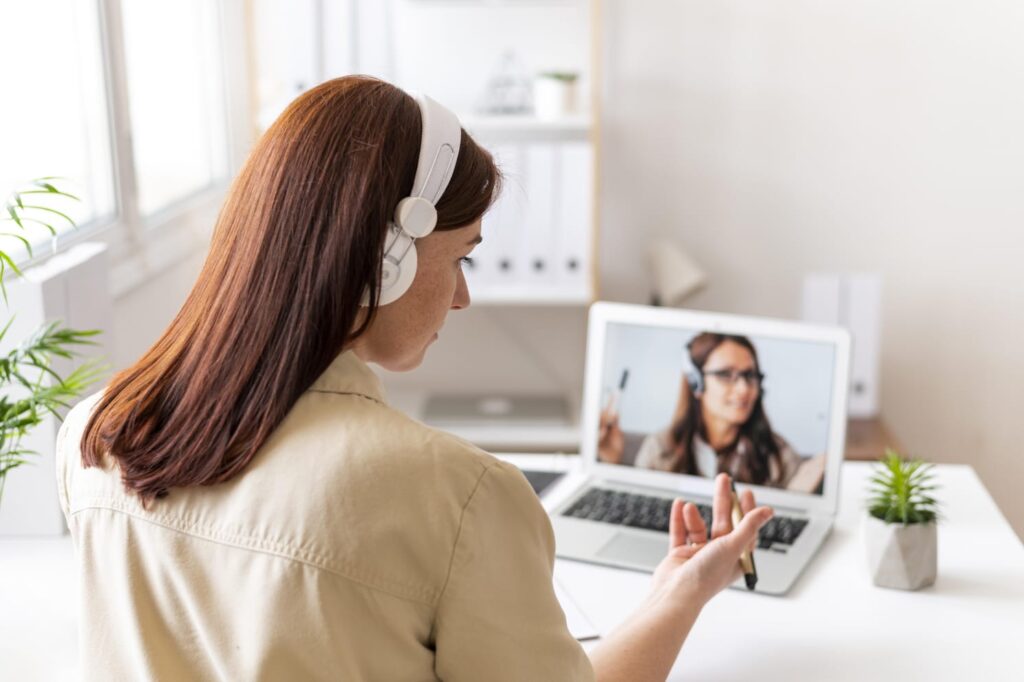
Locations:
(719, 423)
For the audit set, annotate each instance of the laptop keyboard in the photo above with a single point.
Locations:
(652, 513)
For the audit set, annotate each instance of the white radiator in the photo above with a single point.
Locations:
(71, 287)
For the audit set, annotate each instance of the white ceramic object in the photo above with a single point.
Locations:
(553, 98)
(899, 556)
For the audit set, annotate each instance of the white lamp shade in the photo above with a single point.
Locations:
(676, 274)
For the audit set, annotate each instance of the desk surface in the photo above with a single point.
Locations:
(833, 625)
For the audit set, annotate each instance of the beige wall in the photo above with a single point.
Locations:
(773, 139)
(142, 313)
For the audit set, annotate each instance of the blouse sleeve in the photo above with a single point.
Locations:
(653, 452)
(498, 618)
(790, 461)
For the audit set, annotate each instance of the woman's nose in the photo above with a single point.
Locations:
(460, 300)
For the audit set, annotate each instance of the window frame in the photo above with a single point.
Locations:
(140, 246)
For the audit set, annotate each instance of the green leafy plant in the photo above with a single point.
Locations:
(30, 389)
(901, 491)
(564, 76)
(24, 208)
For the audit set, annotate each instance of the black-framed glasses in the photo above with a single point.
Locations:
(730, 376)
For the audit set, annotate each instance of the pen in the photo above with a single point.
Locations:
(613, 401)
(747, 558)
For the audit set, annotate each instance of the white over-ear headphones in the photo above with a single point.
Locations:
(416, 215)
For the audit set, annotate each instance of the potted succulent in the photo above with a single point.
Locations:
(900, 527)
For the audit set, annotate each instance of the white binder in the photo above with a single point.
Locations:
(574, 218)
(542, 186)
(504, 257)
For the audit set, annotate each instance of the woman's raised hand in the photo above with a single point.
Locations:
(610, 441)
(696, 568)
(646, 645)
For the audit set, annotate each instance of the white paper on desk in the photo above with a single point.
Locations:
(579, 625)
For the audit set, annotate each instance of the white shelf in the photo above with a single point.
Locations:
(520, 437)
(526, 127)
(514, 436)
(483, 294)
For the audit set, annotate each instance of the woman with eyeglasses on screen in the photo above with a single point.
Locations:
(719, 424)
(246, 506)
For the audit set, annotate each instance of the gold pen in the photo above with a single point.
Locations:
(747, 558)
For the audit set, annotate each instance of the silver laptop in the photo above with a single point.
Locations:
(673, 397)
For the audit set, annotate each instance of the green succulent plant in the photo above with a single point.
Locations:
(901, 491)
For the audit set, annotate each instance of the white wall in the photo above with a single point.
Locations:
(773, 139)
(142, 313)
(451, 50)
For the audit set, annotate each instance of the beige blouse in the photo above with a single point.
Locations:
(358, 545)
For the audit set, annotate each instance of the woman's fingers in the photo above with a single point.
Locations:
(676, 526)
(747, 504)
(697, 530)
(686, 527)
(747, 501)
(744, 535)
(721, 507)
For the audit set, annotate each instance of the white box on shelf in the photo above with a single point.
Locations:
(853, 301)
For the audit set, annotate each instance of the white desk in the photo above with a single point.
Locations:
(834, 625)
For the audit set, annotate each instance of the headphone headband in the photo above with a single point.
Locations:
(439, 149)
(416, 215)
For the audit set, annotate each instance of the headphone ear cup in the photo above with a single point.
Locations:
(416, 216)
(397, 275)
(696, 381)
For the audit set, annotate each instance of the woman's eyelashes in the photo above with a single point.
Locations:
(465, 262)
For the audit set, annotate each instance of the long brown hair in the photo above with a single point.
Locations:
(757, 430)
(299, 239)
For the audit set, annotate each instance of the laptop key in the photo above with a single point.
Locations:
(652, 513)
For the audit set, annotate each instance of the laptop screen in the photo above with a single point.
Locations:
(694, 402)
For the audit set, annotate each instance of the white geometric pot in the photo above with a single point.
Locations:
(899, 556)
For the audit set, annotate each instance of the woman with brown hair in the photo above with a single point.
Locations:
(245, 505)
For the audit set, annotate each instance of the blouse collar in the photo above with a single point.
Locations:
(347, 373)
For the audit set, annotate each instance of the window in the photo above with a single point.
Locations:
(174, 58)
(126, 100)
(54, 117)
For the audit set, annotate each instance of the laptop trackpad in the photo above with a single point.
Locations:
(634, 549)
